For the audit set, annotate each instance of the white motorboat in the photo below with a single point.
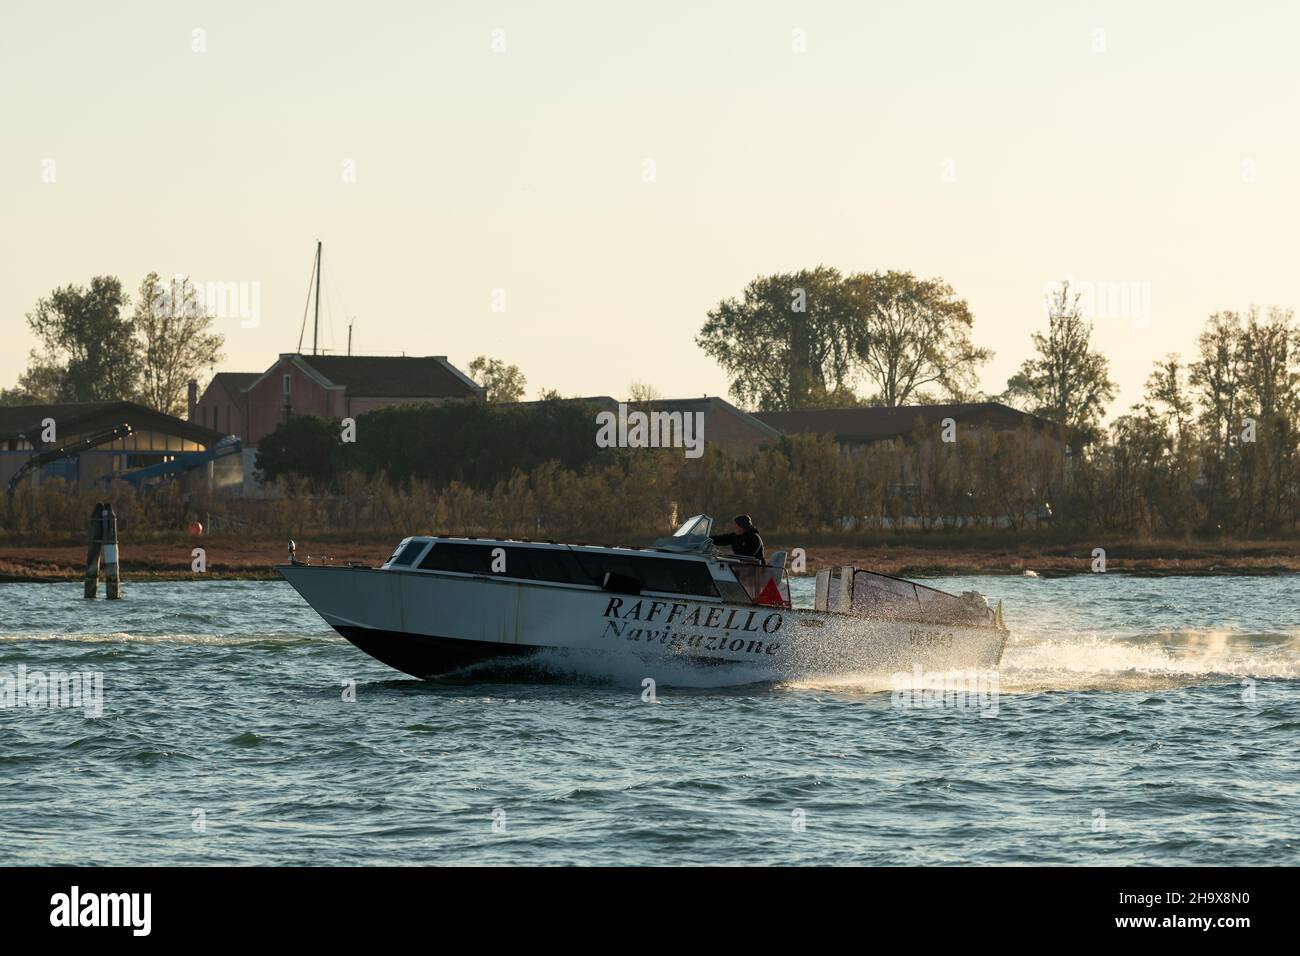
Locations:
(441, 604)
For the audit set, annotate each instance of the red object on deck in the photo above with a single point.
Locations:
(771, 595)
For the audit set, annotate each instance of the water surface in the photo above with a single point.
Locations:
(1139, 720)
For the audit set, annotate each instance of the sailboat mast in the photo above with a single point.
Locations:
(315, 332)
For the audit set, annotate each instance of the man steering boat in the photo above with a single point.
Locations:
(745, 541)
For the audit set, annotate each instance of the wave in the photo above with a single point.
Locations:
(1148, 660)
(1139, 661)
(1036, 661)
(126, 637)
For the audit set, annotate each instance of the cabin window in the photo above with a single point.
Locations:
(656, 574)
(538, 564)
(692, 577)
(406, 557)
(573, 567)
(466, 558)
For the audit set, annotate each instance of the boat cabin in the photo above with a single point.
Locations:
(685, 564)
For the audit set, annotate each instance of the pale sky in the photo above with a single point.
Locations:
(1001, 146)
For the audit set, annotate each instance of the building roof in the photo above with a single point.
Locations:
(708, 404)
(388, 376)
(24, 421)
(876, 423)
(234, 382)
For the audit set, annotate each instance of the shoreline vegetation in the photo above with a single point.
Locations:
(916, 509)
(1200, 478)
(231, 557)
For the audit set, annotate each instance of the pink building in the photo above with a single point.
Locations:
(222, 406)
(332, 386)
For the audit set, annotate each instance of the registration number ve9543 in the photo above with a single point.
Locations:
(919, 638)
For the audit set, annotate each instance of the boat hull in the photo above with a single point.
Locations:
(427, 655)
(433, 624)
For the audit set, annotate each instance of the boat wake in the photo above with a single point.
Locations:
(1135, 662)
(1148, 661)
(1032, 663)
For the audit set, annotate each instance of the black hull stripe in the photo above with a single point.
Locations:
(425, 656)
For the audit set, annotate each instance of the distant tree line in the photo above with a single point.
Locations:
(807, 339)
(1020, 483)
(1212, 451)
(802, 339)
(1215, 444)
(93, 350)
(810, 339)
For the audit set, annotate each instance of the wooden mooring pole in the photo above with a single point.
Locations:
(112, 575)
(95, 542)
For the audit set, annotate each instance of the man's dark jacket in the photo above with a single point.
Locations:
(747, 545)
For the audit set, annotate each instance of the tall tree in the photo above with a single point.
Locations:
(176, 341)
(89, 349)
(504, 383)
(1066, 382)
(790, 338)
(1271, 352)
(44, 381)
(1168, 396)
(915, 337)
(1217, 377)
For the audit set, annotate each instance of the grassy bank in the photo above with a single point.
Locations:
(234, 557)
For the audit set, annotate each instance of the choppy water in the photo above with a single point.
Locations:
(1138, 721)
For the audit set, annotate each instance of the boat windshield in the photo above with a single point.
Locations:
(695, 526)
(692, 537)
